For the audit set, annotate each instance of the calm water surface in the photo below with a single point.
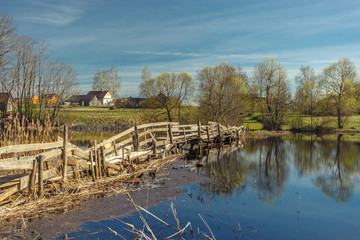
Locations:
(299, 187)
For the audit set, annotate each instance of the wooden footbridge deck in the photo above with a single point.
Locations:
(26, 168)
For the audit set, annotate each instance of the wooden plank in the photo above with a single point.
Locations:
(82, 163)
(185, 126)
(8, 192)
(9, 184)
(113, 166)
(116, 137)
(46, 175)
(80, 153)
(142, 143)
(145, 133)
(152, 137)
(160, 129)
(186, 130)
(159, 124)
(29, 147)
(140, 154)
(26, 162)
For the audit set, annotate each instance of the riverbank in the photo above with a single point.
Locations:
(165, 186)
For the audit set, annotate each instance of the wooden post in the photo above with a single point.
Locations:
(170, 134)
(64, 155)
(40, 177)
(154, 148)
(99, 163)
(136, 140)
(92, 166)
(96, 160)
(184, 134)
(103, 163)
(32, 177)
(123, 154)
(199, 128)
(208, 132)
(76, 174)
(115, 149)
(219, 131)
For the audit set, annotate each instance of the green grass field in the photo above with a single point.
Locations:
(352, 123)
(102, 115)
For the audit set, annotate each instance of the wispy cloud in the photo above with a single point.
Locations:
(56, 13)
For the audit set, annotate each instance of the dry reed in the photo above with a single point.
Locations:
(62, 196)
(141, 234)
(19, 130)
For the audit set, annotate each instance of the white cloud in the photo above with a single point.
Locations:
(54, 13)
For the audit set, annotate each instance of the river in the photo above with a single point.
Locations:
(294, 187)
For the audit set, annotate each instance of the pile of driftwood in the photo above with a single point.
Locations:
(29, 171)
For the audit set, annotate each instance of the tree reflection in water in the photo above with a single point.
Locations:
(332, 164)
(337, 181)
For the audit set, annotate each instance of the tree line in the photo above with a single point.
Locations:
(25, 72)
(226, 94)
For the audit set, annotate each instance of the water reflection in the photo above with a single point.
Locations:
(331, 163)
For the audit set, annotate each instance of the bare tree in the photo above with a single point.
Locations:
(146, 75)
(338, 81)
(8, 40)
(272, 86)
(62, 82)
(168, 90)
(108, 80)
(222, 93)
(307, 91)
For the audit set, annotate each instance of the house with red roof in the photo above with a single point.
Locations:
(104, 96)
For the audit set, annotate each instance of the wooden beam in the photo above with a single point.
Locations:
(27, 162)
(8, 192)
(29, 147)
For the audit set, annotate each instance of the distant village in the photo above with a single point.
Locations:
(92, 98)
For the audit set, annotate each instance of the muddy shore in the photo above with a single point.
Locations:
(170, 178)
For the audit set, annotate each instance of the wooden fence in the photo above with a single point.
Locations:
(26, 167)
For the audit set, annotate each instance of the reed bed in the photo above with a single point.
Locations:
(19, 130)
(61, 196)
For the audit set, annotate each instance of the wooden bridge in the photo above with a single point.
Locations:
(25, 168)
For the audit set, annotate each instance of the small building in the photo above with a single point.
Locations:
(131, 102)
(6, 104)
(104, 96)
(51, 98)
(84, 100)
(48, 99)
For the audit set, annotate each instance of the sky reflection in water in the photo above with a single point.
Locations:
(301, 187)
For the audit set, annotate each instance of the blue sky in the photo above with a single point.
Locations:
(187, 35)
